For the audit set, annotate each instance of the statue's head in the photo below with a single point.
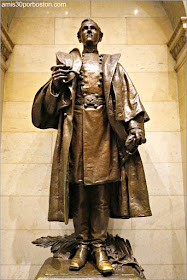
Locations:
(89, 32)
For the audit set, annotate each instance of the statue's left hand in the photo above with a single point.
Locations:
(136, 137)
(139, 134)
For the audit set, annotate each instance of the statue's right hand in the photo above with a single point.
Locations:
(59, 76)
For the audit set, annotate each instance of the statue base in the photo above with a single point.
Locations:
(57, 268)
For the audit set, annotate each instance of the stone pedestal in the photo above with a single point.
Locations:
(56, 268)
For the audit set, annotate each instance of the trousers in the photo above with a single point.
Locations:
(91, 211)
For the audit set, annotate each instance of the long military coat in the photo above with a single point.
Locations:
(129, 197)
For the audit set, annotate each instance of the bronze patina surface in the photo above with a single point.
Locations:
(54, 268)
(97, 171)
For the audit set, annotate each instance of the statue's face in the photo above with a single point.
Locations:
(89, 34)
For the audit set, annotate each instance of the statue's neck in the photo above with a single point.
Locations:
(90, 49)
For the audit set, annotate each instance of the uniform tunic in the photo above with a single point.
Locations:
(93, 151)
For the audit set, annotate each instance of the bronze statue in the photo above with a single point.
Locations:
(97, 171)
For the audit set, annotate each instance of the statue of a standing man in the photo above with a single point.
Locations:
(97, 172)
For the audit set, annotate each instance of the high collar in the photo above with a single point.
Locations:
(87, 51)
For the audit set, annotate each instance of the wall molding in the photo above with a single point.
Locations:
(177, 43)
(7, 46)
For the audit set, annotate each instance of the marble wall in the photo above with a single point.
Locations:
(181, 76)
(139, 30)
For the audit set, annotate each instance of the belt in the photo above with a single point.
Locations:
(90, 100)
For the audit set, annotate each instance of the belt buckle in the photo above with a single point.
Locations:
(91, 100)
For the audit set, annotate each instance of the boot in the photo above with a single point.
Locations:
(102, 261)
(80, 257)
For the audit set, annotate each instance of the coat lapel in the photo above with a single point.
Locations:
(109, 65)
(77, 61)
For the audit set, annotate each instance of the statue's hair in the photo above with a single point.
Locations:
(89, 19)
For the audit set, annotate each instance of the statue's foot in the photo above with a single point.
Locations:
(80, 258)
(102, 261)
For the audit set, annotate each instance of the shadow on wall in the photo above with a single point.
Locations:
(174, 10)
